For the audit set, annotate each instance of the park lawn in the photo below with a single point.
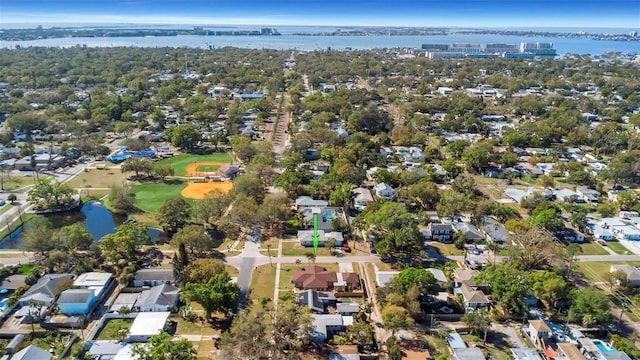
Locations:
(293, 248)
(97, 178)
(263, 281)
(180, 162)
(618, 248)
(150, 196)
(592, 248)
(207, 168)
(18, 181)
(112, 327)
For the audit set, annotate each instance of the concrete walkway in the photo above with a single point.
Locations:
(276, 289)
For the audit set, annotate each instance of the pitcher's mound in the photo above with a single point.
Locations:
(197, 190)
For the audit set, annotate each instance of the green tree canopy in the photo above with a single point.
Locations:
(218, 294)
(49, 193)
(163, 347)
(174, 213)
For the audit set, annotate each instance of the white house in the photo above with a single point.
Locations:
(147, 324)
(306, 237)
(383, 190)
(538, 331)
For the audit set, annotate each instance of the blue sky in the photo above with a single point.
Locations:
(471, 13)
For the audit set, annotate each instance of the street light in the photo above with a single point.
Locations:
(269, 251)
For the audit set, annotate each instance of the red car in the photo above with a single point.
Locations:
(602, 243)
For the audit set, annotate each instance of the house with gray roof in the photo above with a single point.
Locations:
(32, 352)
(316, 301)
(46, 289)
(162, 297)
(306, 237)
(153, 277)
(469, 230)
(493, 230)
(383, 190)
(632, 272)
(325, 325)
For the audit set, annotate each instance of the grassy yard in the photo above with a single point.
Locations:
(592, 248)
(293, 248)
(264, 278)
(150, 196)
(18, 181)
(595, 270)
(97, 178)
(180, 162)
(446, 249)
(186, 327)
(112, 329)
(263, 281)
(618, 248)
(206, 350)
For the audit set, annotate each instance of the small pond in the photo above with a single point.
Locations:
(98, 220)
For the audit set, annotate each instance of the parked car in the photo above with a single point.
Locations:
(602, 243)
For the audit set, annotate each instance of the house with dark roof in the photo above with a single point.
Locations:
(316, 301)
(46, 289)
(439, 232)
(153, 277)
(76, 301)
(228, 171)
(163, 297)
(318, 278)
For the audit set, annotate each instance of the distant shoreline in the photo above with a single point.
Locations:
(39, 33)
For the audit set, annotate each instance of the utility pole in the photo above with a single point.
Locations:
(269, 250)
(624, 307)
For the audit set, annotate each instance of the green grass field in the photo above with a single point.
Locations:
(593, 249)
(149, 197)
(180, 162)
(207, 168)
(111, 329)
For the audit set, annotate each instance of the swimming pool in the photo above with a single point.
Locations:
(603, 348)
(3, 303)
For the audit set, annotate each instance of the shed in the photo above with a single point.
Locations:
(14, 343)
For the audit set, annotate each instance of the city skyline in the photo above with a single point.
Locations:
(456, 13)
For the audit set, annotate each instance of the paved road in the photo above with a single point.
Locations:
(247, 263)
